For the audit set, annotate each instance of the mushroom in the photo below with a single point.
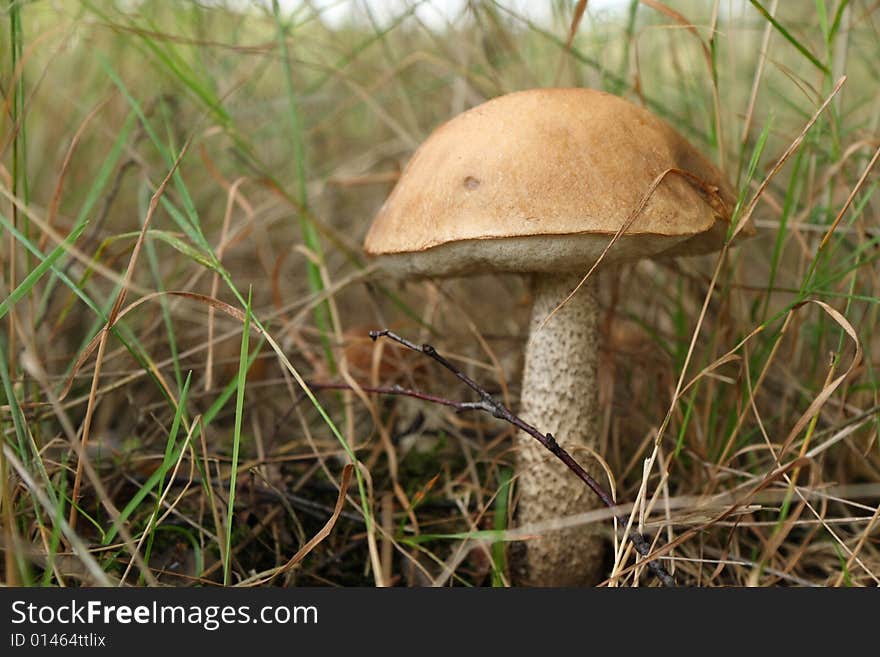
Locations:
(538, 182)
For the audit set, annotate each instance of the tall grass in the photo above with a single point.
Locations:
(160, 425)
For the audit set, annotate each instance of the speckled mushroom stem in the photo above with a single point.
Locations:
(559, 396)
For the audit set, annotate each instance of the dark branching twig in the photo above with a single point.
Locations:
(492, 406)
(395, 389)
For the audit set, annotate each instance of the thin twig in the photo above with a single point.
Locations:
(459, 406)
(495, 408)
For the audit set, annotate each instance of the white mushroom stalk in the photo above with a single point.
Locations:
(560, 396)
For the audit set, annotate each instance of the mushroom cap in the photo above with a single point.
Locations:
(540, 181)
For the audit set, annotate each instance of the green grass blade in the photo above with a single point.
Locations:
(307, 228)
(172, 453)
(40, 270)
(236, 436)
(499, 523)
(167, 462)
(790, 37)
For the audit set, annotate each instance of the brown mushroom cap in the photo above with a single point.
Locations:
(540, 180)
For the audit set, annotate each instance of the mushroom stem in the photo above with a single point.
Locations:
(559, 396)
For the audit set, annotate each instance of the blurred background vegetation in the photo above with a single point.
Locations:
(255, 141)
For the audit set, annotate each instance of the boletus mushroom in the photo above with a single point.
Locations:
(539, 182)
